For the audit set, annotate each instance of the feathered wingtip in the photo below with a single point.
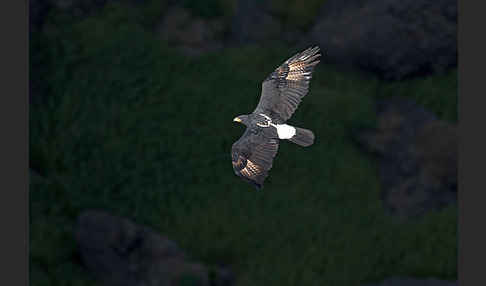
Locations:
(307, 56)
(311, 51)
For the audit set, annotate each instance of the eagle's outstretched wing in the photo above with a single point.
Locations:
(252, 157)
(284, 88)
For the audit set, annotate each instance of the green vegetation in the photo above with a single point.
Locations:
(130, 126)
(438, 94)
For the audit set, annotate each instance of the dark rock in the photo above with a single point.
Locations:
(223, 277)
(417, 154)
(120, 253)
(38, 10)
(403, 281)
(78, 8)
(192, 35)
(254, 23)
(393, 38)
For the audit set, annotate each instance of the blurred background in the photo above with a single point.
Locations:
(131, 108)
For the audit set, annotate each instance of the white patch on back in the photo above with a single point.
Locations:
(285, 131)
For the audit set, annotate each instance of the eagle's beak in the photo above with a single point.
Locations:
(237, 119)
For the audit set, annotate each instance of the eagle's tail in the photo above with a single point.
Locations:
(302, 137)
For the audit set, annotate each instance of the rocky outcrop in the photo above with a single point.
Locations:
(192, 35)
(120, 253)
(38, 10)
(393, 38)
(254, 23)
(417, 156)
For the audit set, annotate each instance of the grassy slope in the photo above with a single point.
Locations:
(133, 127)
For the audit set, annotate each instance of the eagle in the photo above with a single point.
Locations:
(282, 91)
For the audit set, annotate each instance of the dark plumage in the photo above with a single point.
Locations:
(282, 91)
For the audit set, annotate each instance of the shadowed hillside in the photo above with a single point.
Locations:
(124, 120)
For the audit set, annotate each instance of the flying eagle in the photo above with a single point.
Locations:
(252, 155)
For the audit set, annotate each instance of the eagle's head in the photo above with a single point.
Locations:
(243, 119)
